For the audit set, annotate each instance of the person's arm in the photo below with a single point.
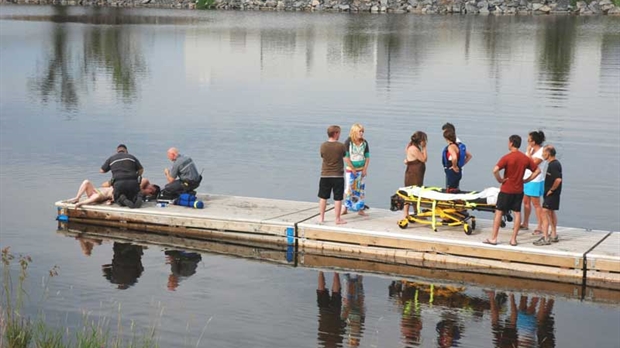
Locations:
(468, 156)
(535, 171)
(454, 156)
(169, 178)
(105, 167)
(497, 176)
(556, 184)
(365, 169)
(423, 154)
(366, 160)
(532, 176)
(144, 183)
(347, 160)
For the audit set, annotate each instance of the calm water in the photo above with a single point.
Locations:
(249, 96)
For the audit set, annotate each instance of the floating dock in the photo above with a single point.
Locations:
(582, 257)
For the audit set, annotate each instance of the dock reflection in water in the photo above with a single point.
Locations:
(440, 312)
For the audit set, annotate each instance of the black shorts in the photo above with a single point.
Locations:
(552, 202)
(327, 185)
(509, 201)
(324, 300)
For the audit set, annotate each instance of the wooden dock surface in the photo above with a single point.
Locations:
(580, 256)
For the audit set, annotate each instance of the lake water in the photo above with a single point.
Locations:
(249, 96)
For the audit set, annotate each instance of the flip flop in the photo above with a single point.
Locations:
(515, 244)
(523, 228)
(537, 233)
(486, 241)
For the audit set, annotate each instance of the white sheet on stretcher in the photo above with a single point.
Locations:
(490, 194)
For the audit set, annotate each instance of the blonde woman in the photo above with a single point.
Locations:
(357, 159)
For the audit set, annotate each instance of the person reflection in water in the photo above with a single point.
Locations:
(529, 324)
(331, 326)
(408, 300)
(449, 330)
(87, 244)
(505, 333)
(126, 266)
(182, 265)
(354, 311)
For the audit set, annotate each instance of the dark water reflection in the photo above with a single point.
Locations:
(248, 96)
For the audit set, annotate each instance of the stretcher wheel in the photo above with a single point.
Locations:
(473, 223)
(467, 229)
(403, 223)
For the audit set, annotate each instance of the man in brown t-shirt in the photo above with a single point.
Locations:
(332, 174)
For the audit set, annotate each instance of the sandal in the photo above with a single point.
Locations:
(554, 239)
(542, 241)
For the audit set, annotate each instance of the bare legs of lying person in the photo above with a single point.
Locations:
(93, 194)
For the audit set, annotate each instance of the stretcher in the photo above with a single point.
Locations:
(435, 207)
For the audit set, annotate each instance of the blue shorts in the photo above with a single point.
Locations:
(534, 188)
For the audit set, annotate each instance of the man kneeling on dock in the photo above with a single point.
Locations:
(184, 168)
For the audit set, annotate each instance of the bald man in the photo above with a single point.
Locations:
(182, 177)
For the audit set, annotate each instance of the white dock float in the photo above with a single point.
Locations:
(375, 237)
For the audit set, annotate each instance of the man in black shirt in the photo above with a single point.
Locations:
(553, 189)
(126, 172)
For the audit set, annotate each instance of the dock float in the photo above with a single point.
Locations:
(582, 257)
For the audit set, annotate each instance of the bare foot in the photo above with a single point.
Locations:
(362, 213)
(344, 212)
(72, 200)
(340, 222)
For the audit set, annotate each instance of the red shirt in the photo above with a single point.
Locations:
(514, 165)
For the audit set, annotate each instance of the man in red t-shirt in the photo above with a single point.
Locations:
(510, 196)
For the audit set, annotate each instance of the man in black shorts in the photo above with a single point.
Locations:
(553, 189)
(332, 174)
(510, 196)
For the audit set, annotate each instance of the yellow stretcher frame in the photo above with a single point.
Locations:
(441, 213)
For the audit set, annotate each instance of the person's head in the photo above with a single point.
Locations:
(333, 131)
(418, 138)
(549, 152)
(121, 148)
(449, 135)
(173, 153)
(151, 190)
(448, 125)
(536, 137)
(514, 141)
(357, 132)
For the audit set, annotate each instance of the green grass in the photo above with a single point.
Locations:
(20, 331)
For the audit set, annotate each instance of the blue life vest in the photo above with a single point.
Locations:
(462, 155)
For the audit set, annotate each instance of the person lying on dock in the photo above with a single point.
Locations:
(93, 194)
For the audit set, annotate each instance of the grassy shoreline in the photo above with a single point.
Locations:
(19, 330)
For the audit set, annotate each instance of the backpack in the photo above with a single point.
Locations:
(462, 155)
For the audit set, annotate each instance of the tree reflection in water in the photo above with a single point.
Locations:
(557, 53)
(108, 51)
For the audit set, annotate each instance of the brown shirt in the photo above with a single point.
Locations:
(332, 153)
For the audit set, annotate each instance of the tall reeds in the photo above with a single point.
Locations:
(18, 330)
